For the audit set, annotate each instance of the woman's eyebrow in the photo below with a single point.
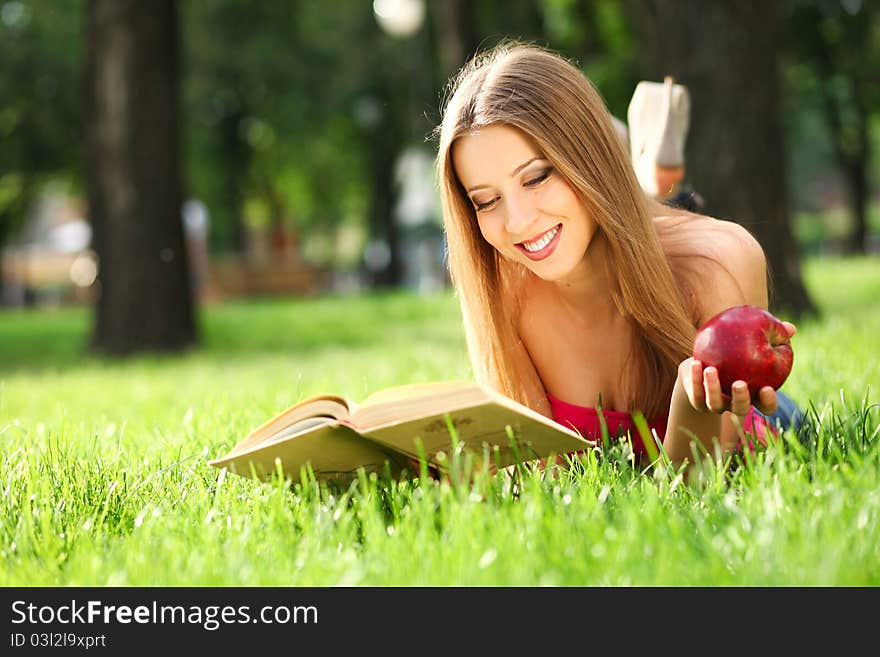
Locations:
(513, 173)
(525, 164)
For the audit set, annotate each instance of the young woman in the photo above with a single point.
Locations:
(576, 288)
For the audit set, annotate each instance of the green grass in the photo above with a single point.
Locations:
(105, 482)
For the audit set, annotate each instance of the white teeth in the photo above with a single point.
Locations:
(542, 241)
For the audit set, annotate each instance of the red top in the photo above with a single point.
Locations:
(586, 421)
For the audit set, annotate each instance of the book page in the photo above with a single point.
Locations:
(321, 409)
(333, 451)
(299, 427)
(478, 415)
(419, 392)
(413, 400)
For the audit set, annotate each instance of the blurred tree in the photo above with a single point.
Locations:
(235, 98)
(596, 34)
(451, 38)
(40, 104)
(727, 54)
(592, 32)
(837, 47)
(459, 29)
(303, 119)
(134, 177)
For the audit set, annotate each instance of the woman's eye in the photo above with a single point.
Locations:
(484, 205)
(541, 177)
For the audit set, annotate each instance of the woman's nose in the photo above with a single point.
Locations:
(519, 217)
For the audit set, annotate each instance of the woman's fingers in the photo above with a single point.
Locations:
(698, 395)
(703, 387)
(712, 386)
(740, 400)
(766, 401)
(791, 328)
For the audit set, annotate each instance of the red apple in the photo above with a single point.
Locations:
(745, 343)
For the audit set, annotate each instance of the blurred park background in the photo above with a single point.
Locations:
(161, 157)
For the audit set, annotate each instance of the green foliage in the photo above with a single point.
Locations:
(41, 81)
(288, 119)
(838, 49)
(819, 233)
(105, 480)
(264, 116)
(832, 93)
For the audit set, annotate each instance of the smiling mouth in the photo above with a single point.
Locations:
(543, 245)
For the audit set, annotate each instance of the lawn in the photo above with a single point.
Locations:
(105, 477)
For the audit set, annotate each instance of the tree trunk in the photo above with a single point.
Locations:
(383, 225)
(134, 178)
(449, 39)
(10, 225)
(234, 163)
(4, 235)
(853, 157)
(726, 54)
(859, 196)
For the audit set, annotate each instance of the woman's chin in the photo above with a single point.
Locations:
(547, 272)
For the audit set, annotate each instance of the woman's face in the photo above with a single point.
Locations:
(524, 207)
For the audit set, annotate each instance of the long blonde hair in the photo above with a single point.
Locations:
(550, 100)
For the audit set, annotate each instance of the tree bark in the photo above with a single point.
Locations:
(134, 178)
(449, 38)
(853, 157)
(385, 149)
(235, 160)
(726, 54)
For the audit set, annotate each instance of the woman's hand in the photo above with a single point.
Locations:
(703, 389)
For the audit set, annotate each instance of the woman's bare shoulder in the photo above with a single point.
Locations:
(701, 235)
(723, 260)
(700, 224)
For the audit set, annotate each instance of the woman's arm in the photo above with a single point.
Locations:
(698, 409)
(533, 387)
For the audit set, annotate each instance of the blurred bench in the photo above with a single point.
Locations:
(233, 276)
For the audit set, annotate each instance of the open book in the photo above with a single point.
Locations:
(395, 427)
